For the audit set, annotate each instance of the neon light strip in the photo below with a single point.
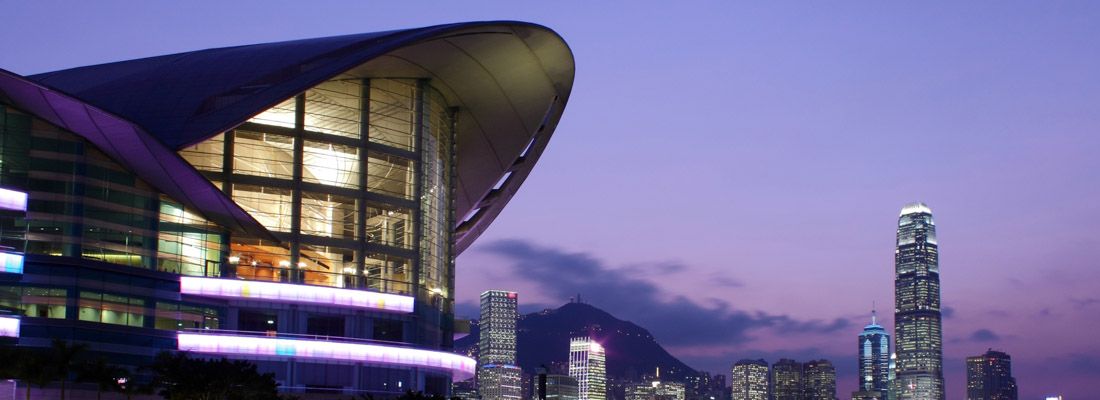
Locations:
(285, 292)
(11, 263)
(13, 200)
(9, 326)
(461, 367)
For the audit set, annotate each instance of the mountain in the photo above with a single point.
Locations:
(543, 339)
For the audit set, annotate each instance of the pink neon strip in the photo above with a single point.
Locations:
(235, 288)
(9, 326)
(13, 200)
(461, 367)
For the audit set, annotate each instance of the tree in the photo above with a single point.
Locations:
(178, 376)
(62, 359)
(31, 367)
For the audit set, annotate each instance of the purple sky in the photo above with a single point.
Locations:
(738, 170)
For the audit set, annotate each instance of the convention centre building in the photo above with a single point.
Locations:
(297, 204)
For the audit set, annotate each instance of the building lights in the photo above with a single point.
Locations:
(9, 326)
(461, 367)
(13, 200)
(11, 263)
(285, 292)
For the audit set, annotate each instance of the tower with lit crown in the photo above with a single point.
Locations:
(918, 329)
(587, 364)
(874, 362)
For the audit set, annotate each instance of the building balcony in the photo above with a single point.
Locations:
(268, 344)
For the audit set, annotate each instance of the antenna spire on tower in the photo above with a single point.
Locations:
(873, 312)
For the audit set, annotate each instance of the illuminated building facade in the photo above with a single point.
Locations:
(786, 380)
(588, 365)
(989, 377)
(500, 382)
(918, 331)
(818, 380)
(497, 376)
(248, 201)
(656, 390)
(497, 342)
(874, 361)
(749, 380)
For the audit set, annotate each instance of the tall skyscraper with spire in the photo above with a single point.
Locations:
(918, 329)
(874, 362)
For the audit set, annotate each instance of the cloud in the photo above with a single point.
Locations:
(947, 312)
(673, 319)
(1084, 303)
(725, 281)
(984, 335)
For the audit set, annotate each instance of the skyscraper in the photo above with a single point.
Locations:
(497, 343)
(917, 319)
(786, 380)
(874, 361)
(818, 380)
(497, 376)
(989, 377)
(588, 366)
(749, 380)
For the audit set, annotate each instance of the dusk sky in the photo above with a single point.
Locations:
(730, 176)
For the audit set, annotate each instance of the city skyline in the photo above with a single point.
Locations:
(791, 123)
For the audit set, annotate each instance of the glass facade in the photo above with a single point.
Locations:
(349, 210)
(917, 319)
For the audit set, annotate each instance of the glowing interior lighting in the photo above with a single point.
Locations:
(13, 200)
(285, 292)
(284, 263)
(9, 326)
(11, 263)
(234, 259)
(461, 367)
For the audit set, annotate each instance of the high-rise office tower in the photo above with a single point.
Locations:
(497, 376)
(874, 362)
(989, 377)
(587, 365)
(497, 344)
(786, 382)
(749, 380)
(917, 320)
(818, 380)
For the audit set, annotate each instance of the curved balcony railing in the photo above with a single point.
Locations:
(294, 293)
(345, 349)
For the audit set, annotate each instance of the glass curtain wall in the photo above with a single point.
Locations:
(80, 202)
(346, 175)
